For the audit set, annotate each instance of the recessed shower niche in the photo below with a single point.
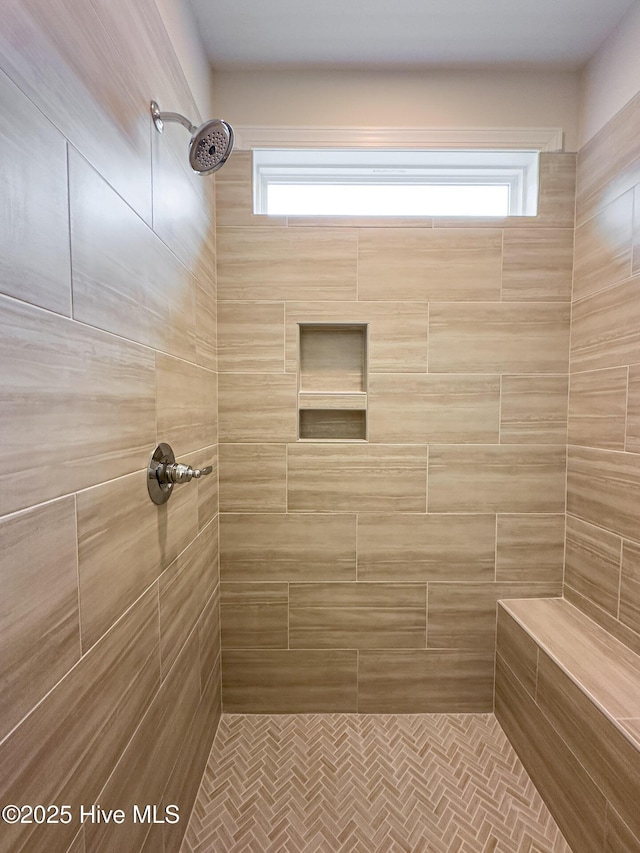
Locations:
(332, 382)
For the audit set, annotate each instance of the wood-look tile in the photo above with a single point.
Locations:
(237, 168)
(60, 58)
(604, 667)
(325, 477)
(77, 845)
(599, 483)
(425, 682)
(605, 328)
(603, 248)
(411, 408)
(206, 486)
(357, 615)
(124, 543)
(632, 443)
(517, 650)
(88, 720)
(253, 477)
(426, 547)
(397, 341)
(184, 589)
(257, 407)
(619, 838)
(606, 754)
(251, 337)
(499, 338)
(40, 621)
(186, 404)
(463, 615)
(209, 644)
(125, 280)
(630, 586)
(635, 260)
(618, 630)
(592, 563)
(288, 547)
(206, 326)
(530, 547)
(333, 358)
(143, 770)
(34, 218)
(284, 263)
(537, 264)
(534, 409)
(427, 265)
(597, 408)
(496, 478)
(632, 727)
(62, 379)
(254, 615)
(574, 800)
(608, 163)
(234, 206)
(274, 681)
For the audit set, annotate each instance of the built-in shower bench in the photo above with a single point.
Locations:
(568, 697)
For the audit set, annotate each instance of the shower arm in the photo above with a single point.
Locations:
(159, 118)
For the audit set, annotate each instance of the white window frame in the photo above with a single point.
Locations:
(517, 169)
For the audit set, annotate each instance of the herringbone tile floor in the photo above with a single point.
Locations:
(323, 783)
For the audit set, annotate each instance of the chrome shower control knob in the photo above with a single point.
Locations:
(164, 472)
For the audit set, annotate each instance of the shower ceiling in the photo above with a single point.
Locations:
(404, 33)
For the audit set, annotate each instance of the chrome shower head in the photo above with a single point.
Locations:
(210, 144)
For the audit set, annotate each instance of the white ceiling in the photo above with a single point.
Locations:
(386, 34)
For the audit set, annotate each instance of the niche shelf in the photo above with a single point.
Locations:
(332, 382)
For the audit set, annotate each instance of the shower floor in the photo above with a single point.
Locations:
(437, 783)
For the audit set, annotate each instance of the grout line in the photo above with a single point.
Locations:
(75, 506)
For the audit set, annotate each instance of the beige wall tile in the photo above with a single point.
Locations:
(613, 626)
(605, 328)
(253, 477)
(124, 543)
(257, 407)
(289, 681)
(288, 547)
(254, 615)
(409, 408)
(40, 622)
(537, 264)
(424, 264)
(397, 340)
(325, 477)
(557, 197)
(619, 839)
(333, 358)
(186, 404)
(206, 325)
(575, 802)
(603, 248)
(633, 410)
(184, 589)
(597, 408)
(426, 547)
(89, 719)
(530, 548)
(251, 337)
(283, 263)
(635, 268)
(357, 615)
(125, 280)
(517, 650)
(207, 486)
(498, 338)
(63, 379)
(209, 643)
(234, 206)
(496, 478)
(592, 563)
(614, 764)
(463, 615)
(34, 218)
(425, 682)
(630, 586)
(599, 483)
(534, 410)
(237, 167)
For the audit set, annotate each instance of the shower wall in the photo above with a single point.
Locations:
(109, 616)
(363, 576)
(603, 476)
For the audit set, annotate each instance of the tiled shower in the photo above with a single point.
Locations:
(499, 394)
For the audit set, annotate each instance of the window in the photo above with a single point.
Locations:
(374, 182)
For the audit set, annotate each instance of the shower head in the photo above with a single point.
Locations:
(210, 144)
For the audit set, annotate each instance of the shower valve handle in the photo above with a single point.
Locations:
(176, 472)
(164, 473)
